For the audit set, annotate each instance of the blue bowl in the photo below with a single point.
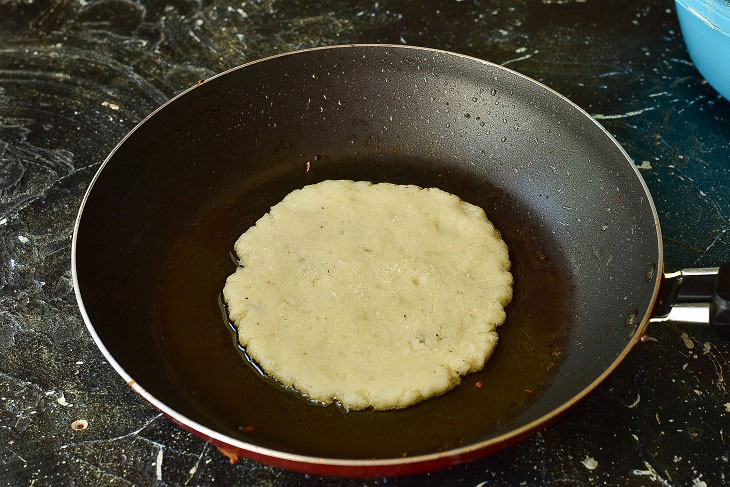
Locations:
(706, 30)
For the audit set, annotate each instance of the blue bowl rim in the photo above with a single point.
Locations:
(710, 12)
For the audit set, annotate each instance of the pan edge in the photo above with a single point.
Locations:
(389, 466)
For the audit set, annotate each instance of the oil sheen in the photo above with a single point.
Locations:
(203, 355)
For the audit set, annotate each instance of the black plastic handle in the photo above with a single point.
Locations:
(701, 287)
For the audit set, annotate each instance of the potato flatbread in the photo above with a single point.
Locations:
(372, 295)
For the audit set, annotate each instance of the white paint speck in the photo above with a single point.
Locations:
(3, 221)
(646, 165)
(727, 407)
(62, 401)
(80, 362)
(23, 239)
(589, 462)
(600, 116)
(158, 464)
(698, 483)
(110, 105)
(649, 472)
(521, 58)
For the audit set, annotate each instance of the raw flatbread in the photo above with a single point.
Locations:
(373, 295)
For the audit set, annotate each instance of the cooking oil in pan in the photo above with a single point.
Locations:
(202, 352)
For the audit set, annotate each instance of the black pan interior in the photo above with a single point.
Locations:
(154, 238)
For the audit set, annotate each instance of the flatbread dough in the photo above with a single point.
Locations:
(370, 294)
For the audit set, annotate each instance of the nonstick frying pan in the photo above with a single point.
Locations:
(154, 235)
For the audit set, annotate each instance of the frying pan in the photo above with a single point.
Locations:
(152, 244)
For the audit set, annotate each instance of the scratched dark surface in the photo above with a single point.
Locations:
(76, 75)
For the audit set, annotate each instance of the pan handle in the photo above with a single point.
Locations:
(696, 296)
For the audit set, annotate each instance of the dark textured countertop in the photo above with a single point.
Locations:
(76, 75)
